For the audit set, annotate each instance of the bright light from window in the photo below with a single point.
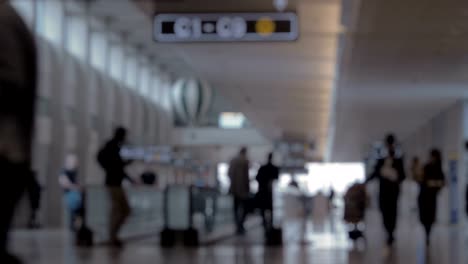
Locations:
(131, 72)
(144, 81)
(76, 34)
(231, 120)
(98, 50)
(155, 88)
(323, 176)
(223, 178)
(116, 62)
(337, 175)
(50, 20)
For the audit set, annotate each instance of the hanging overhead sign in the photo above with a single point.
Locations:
(226, 27)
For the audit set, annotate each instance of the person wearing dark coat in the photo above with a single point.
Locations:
(432, 181)
(267, 174)
(18, 83)
(114, 167)
(390, 171)
(240, 188)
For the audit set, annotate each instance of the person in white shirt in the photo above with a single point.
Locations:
(391, 173)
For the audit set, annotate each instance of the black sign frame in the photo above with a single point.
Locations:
(289, 17)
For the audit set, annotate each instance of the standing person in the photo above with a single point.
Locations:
(18, 83)
(432, 181)
(267, 174)
(240, 187)
(114, 166)
(391, 173)
(68, 179)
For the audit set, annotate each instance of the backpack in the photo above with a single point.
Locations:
(103, 157)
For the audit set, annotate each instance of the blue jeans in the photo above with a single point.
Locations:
(74, 201)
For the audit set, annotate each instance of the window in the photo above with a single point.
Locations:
(131, 71)
(155, 89)
(144, 81)
(76, 34)
(50, 20)
(323, 176)
(98, 52)
(116, 62)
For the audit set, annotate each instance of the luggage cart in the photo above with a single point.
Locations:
(356, 201)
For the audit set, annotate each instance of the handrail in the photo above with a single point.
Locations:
(146, 203)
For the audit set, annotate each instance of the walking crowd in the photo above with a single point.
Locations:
(390, 172)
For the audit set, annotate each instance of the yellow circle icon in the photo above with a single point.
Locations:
(265, 26)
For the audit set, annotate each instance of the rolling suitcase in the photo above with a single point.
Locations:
(191, 238)
(274, 237)
(167, 238)
(84, 236)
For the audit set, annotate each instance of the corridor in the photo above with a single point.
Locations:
(322, 244)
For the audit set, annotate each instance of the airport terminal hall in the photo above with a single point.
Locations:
(233, 131)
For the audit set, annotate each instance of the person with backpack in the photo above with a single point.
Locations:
(114, 166)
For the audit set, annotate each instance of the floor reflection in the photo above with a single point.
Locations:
(327, 242)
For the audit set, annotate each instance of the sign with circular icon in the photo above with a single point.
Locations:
(223, 27)
(265, 26)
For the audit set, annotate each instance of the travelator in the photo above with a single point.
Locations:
(177, 214)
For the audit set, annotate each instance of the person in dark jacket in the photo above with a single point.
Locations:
(267, 174)
(240, 188)
(390, 171)
(114, 166)
(432, 181)
(18, 83)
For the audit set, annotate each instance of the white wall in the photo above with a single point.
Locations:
(445, 132)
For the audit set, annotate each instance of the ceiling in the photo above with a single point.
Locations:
(284, 89)
(399, 63)
(406, 60)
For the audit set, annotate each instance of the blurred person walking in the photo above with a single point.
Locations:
(390, 172)
(114, 166)
(266, 175)
(432, 181)
(18, 83)
(68, 179)
(240, 188)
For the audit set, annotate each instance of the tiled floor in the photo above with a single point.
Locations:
(326, 243)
